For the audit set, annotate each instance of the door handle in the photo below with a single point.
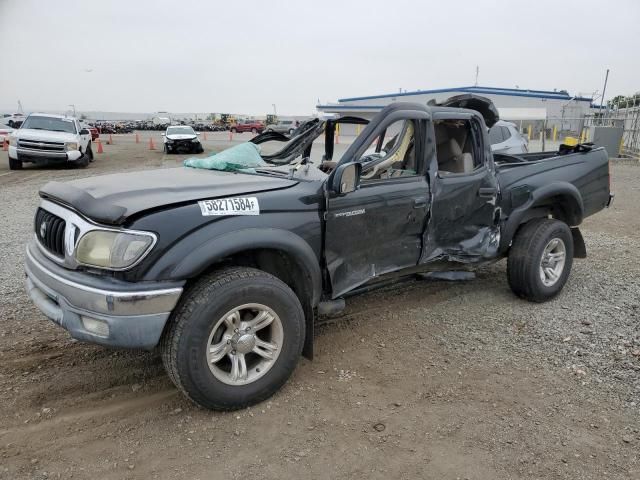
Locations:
(419, 202)
(487, 192)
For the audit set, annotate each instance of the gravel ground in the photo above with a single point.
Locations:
(429, 379)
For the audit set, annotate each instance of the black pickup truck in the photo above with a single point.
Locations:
(226, 271)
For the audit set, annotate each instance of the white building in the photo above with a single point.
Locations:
(523, 107)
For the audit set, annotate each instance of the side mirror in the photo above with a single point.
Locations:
(346, 178)
(198, 133)
(84, 131)
(163, 134)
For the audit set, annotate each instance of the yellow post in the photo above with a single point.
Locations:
(529, 132)
(555, 133)
(357, 129)
(583, 135)
(620, 147)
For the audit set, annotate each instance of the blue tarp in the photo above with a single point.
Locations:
(239, 157)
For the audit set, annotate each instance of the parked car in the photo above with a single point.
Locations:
(283, 126)
(181, 139)
(227, 270)
(505, 138)
(95, 134)
(44, 138)
(14, 120)
(5, 133)
(248, 126)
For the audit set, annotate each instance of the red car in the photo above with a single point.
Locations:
(94, 131)
(248, 126)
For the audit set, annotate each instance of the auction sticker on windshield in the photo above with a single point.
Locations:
(230, 206)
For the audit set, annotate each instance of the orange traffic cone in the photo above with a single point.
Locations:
(137, 138)
(5, 144)
(100, 149)
(151, 145)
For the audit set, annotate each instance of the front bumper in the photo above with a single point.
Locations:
(41, 156)
(128, 315)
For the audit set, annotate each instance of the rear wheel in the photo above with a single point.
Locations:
(15, 164)
(234, 339)
(540, 259)
(254, 130)
(89, 152)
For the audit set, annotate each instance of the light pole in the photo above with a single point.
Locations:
(275, 114)
(74, 109)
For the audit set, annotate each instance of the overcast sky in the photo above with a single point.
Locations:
(243, 56)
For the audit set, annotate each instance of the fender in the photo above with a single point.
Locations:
(537, 198)
(184, 261)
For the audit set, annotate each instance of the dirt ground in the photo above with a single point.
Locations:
(430, 379)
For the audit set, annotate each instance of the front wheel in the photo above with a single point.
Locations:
(540, 259)
(234, 339)
(15, 164)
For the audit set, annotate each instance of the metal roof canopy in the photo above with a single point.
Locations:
(517, 92)
(522, 113)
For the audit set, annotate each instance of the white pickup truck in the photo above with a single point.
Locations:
(45, 138)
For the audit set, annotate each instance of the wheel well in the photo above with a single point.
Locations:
(283, 266)
(562, 207)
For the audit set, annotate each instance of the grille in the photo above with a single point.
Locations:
(51, 236)
(38, 145)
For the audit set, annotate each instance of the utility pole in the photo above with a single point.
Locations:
(477, 73)
(604, 89)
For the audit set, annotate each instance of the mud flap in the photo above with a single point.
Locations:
(579, 248)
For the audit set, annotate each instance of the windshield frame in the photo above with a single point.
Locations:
(182, 127)
(62, 121)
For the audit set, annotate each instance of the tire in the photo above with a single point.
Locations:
(192, 329)
(15, 164)
(291, 131)
(89, 152)
(82, 162)
(525, 272)
(254, 131)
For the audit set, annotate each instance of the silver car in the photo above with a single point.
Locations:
(505, 138)
(283, 126)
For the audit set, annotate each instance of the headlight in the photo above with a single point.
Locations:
(169, 140)
(112, 250)
(13, 141)
(195, 140)
(70, 146)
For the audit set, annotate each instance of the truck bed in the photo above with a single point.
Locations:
(586, 169)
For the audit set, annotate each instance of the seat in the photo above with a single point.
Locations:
(451, 158)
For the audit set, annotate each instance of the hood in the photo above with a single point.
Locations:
(181, 136)
(45, 135)
(111, 199)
